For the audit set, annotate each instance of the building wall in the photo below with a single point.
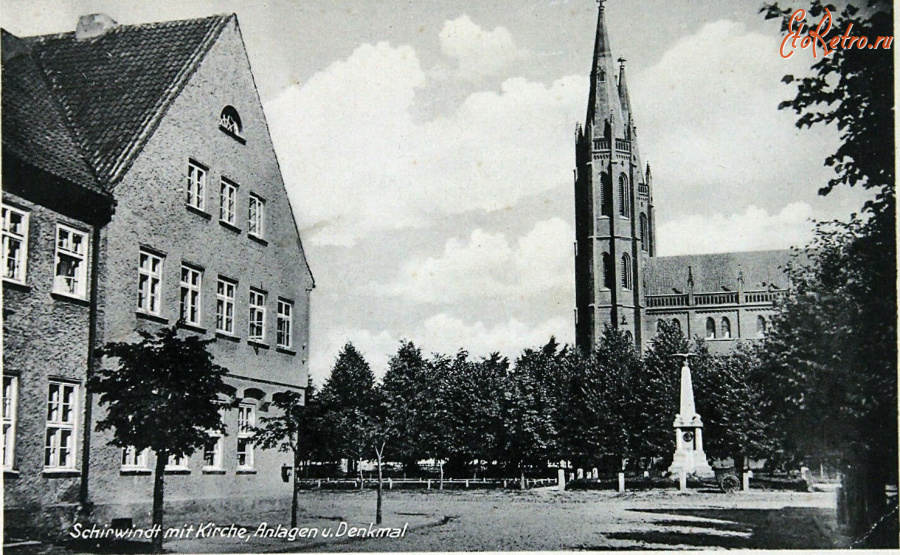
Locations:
(151, 212)
(45, 335)
(692, 320)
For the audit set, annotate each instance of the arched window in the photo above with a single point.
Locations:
(760, 326)
(710, 328)
(645, 233)
(624, 196)
(230, 121)
(676, 324)
(626, 271)
(726, 328)
(629, 336)
(605, 195)
(659, 324)
(607, 270)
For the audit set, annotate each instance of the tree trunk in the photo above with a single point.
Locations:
(359, 467)
(378, 453)
(521, 476)
(295, 487)
(442, 474)
(159, 478)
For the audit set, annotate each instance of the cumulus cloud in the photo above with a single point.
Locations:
(754, 229)
(489, 265)
(708, 121)
(476, 50)
(356, 161)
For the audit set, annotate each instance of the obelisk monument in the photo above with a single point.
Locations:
(689, 457)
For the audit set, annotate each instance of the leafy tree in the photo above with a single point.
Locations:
(163, 395)
(408, 391)
(295, 429)
(529, 435)
(835, 345)
(347, 399)
(657, 393)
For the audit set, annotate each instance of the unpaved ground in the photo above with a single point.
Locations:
(542, 519)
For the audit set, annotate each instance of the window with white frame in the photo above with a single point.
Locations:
(284, 325)
(257, 330)
(225, 305)
(15, 243)
(132, 459)
(62, 405)
(227, 202)
(246, 422)
(256, 221)
(214, 449)
(71, 261)
(191, 282)
(149, 281)
(10, 401)
(177, 463)
(196, 186)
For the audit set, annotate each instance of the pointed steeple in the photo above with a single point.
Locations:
(623, 91)
(604, 105)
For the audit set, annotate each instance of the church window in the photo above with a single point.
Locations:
(676, 325)
(629, 336)
(624, 197)
(607, 271)
(626, 271)
(230, 121)
(645, 233)
(605, 195)
(760, 326)
(710, 328)
(726, 328)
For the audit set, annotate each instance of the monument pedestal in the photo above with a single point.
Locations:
(689, 457)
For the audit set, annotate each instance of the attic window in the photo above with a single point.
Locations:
(230, 123)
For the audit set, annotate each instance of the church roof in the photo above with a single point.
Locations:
(34, 127)
(715, 272)
(114, 88)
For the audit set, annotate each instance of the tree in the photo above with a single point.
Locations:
(833, 351)
(163, 395)
(295, 429)
(657, 393)
(407, 391)
(346, 400)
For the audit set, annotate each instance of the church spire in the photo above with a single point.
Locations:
(624, 100)
(604, 106)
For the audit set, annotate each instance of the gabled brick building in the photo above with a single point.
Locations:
(140, 186)
(619, 279)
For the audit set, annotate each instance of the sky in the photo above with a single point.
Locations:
(428, 148)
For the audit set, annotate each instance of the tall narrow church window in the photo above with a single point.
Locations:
(624, 197)
(760, 326)
(676, 325)
(607, 271)
(629, 336)
(726, 328)
(605, 195)
(645, 233)
(710, 328)
(626, 271)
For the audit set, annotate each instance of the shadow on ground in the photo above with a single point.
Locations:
(787, 528)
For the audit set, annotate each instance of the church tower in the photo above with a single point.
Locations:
(614, 220)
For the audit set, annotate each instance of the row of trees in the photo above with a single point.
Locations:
(603, 409)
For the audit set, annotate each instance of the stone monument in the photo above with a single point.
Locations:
(689, 457)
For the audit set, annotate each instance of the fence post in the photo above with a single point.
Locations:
(467, 484)
(561, 479)
(390, 484)
(621, 482)
(682, 481)
(504, 484)
(429, 484)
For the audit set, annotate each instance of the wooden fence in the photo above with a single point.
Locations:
(426, 484)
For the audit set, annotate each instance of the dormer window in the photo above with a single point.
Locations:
(230, 123)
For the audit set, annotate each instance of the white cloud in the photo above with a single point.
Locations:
(356, 161)
(708, 121)
(488, 265)
(376, 348)
(478, 51)
(754, 229)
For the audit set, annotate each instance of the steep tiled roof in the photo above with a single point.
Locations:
(115, 88)
(34, 128)
(712, 272)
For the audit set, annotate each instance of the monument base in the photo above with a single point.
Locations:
(692, 463)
